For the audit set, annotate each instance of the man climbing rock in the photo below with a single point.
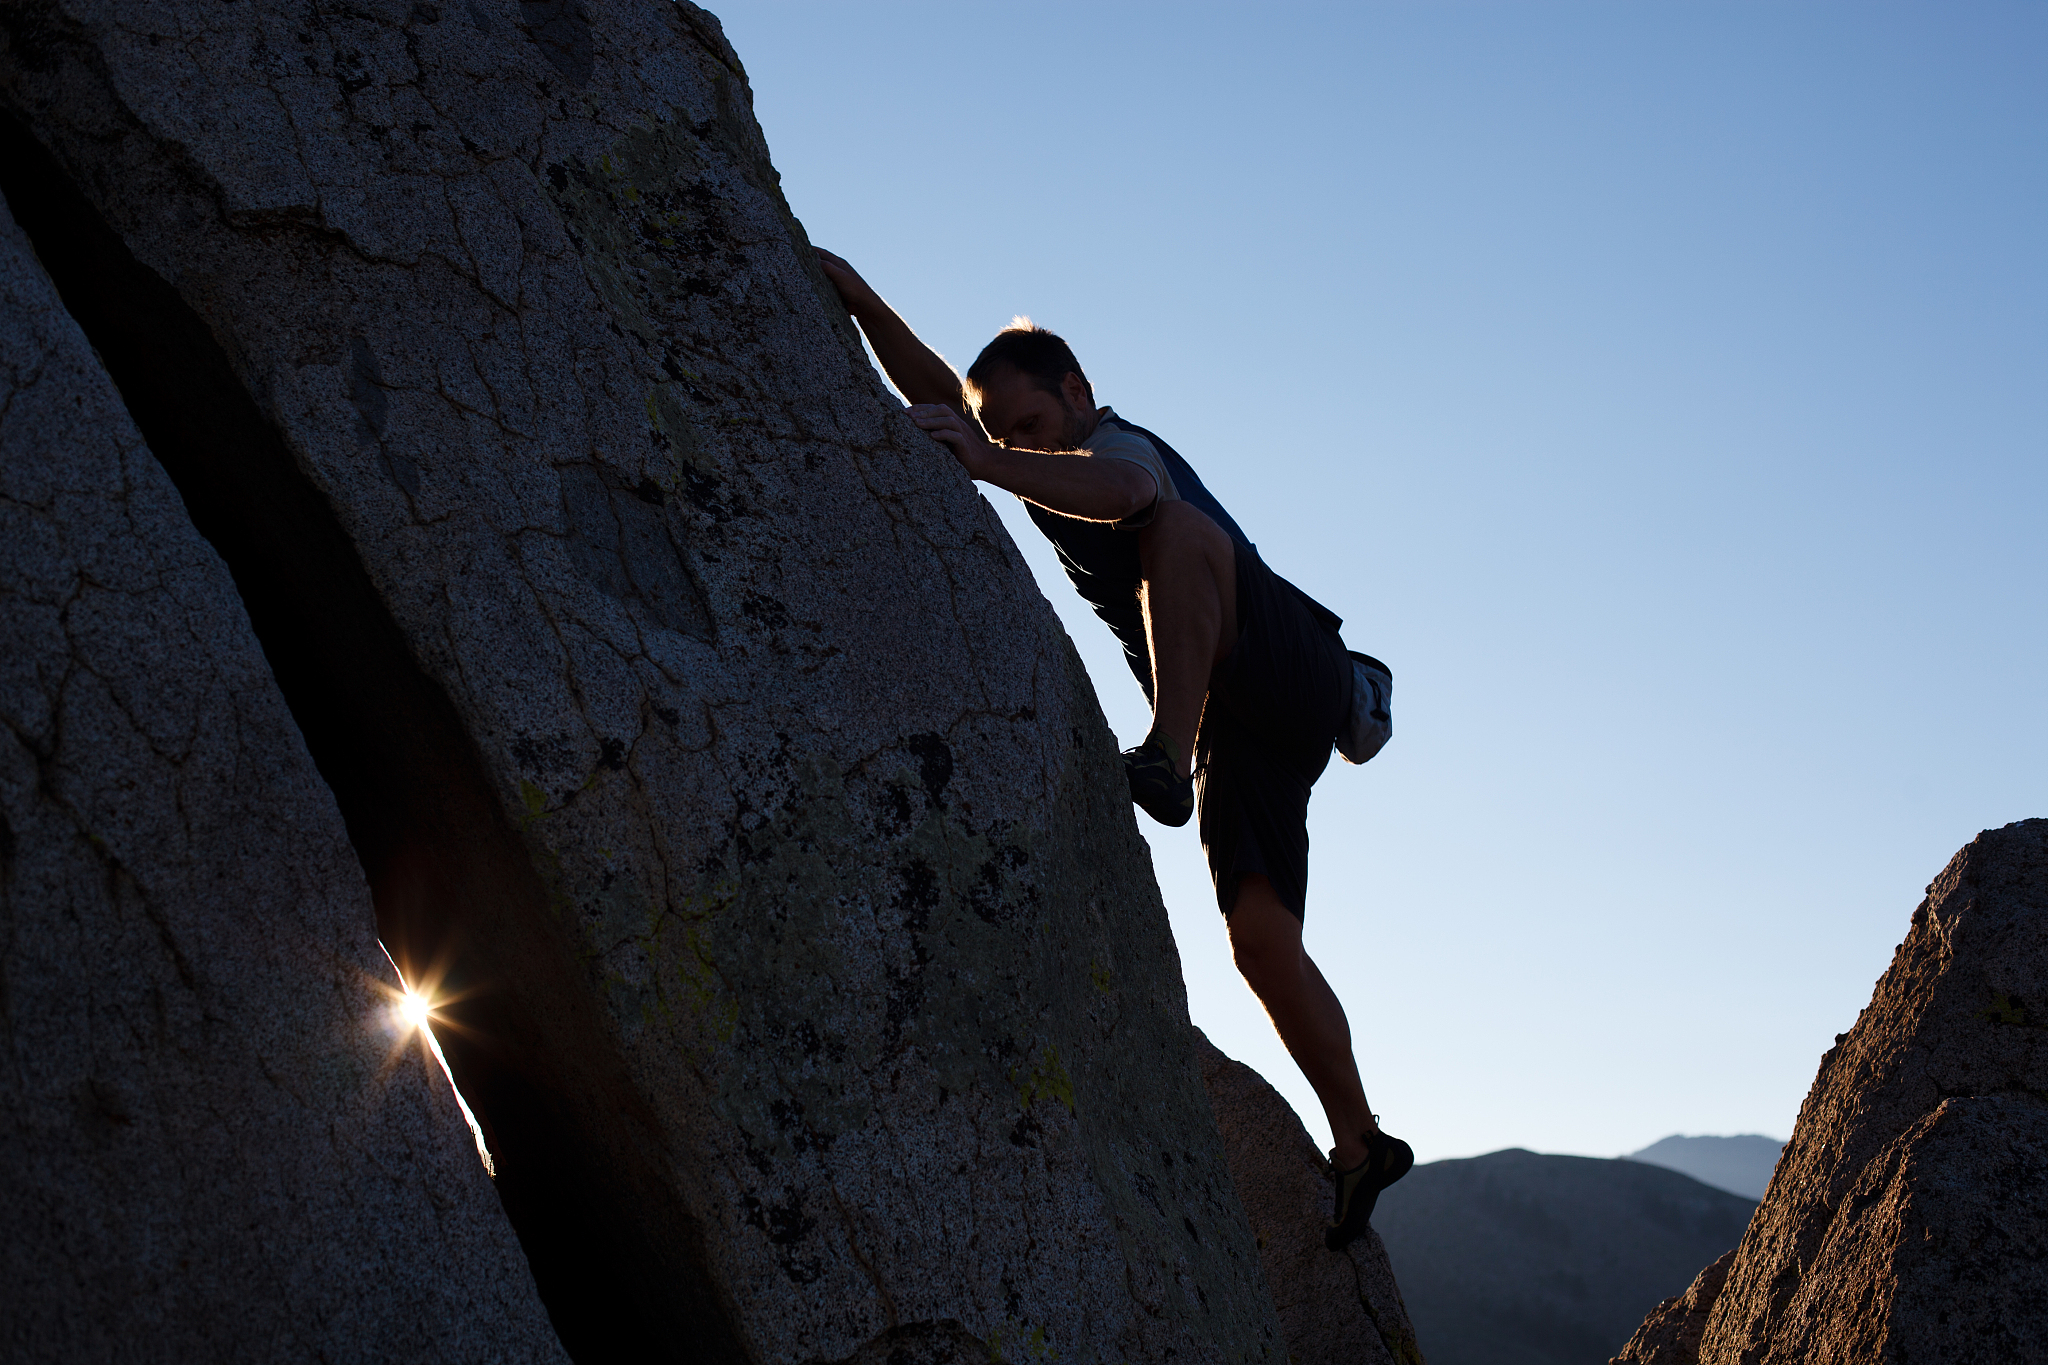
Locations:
(1248, 678)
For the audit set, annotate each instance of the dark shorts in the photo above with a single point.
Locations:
(1275, 706)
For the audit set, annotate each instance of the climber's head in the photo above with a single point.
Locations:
(1029, 391)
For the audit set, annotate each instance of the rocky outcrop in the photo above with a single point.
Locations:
(693, 718)
(214, 1142)
(1336, 1308)
(1905, 1220)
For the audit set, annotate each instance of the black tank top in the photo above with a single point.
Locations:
(1101, 558)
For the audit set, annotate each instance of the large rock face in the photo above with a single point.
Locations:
(696, 722)
(1906, 1220)
(214, 1144)
(1336, 1308)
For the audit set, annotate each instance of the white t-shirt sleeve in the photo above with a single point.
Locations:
(1135, 449)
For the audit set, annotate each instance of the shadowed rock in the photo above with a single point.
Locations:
(214, 1144)
(1334, 1306)
(1905, 1221)
(686, 705)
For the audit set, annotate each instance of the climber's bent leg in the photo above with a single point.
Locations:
(1190, 597)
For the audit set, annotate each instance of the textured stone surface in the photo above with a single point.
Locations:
(213, 1143)
(1905, 1220)
(1670, 1335)
(688, 708)
(1334, 1307)
(1939, 1251)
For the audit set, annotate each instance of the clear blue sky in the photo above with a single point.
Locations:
(1662, 390)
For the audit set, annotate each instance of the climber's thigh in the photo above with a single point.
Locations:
(1287, 681)
(1183, 547)
(1273, 711)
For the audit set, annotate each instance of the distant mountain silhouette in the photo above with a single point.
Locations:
(1519, 1259)
(1740, 1165)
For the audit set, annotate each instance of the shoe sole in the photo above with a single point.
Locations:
(1176, 817)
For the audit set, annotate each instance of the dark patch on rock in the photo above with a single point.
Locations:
(919, 896)
(561, 31)
(765, 610)
(906, 997)
(373, 412)
(785, 1222)
(628, 549)
(934, 765)
(366, 392)
(34, 38)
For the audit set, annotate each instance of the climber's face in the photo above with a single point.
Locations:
(1017, 412)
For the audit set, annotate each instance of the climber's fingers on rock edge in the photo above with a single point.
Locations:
(939, 421)
(844, 277)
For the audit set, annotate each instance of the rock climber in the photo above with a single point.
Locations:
(1248, 678)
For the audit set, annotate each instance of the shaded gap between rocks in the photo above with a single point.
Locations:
(581, 1169)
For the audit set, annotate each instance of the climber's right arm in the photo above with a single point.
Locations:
(917, 371)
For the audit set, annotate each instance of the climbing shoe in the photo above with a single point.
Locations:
(1387, 1159)
(1156, 784)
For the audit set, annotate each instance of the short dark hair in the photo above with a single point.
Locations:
(1034, 352)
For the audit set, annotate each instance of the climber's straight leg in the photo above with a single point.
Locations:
(1190, 597)
(1265, 938)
